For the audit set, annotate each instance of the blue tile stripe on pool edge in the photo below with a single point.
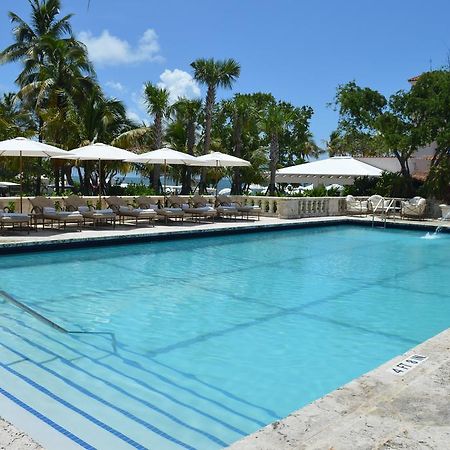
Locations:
(46, 420)
(87, 416)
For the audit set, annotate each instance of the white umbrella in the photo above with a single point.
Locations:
(218, 159)
(98, 152)
(163, 156)
(23, 147)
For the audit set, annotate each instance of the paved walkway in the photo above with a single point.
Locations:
(380, 410)
(13, 439)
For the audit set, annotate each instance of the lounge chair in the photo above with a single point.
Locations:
(414, 208)
(355, 206)
(45, 209)
(125, 210)
(198, 208)
(167, 213)
(245, 210)
(76, 203)
(8, 218)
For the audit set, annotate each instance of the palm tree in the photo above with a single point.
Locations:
(32, 44)
(28, 38)
(286, 124)
(241, 112)
(182, 134)
(157, 101)
(213, 74)
(15, 120)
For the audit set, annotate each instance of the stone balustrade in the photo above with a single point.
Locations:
(282, 207)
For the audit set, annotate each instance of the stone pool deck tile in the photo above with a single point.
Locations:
(21, 238)
(379, 410)
(13, 439)
(130, 231)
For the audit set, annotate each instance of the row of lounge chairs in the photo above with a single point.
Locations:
(376, 204)
(78, 211)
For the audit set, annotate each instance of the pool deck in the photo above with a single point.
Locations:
(378, 410)
(44, 239)
(13, 439)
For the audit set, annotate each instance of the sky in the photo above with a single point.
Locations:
(298, 50)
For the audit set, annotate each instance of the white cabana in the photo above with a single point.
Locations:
(23, 147)
(342, 170)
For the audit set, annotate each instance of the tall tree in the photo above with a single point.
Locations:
(375, 119)
(31, 47)
(429, 105)
(213, 73)
(182, 134)
(157, 101)
(241, 113)
(285, 125)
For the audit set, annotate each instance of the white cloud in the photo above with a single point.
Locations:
(115, 85)
(138, 99)
(110, 50)
(179, 83)
(135, 116)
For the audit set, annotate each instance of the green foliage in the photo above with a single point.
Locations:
(132, 189)
(11, 206)
(438, 181)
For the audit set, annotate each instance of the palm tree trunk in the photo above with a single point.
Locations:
(38, 178)
(80, 177)
(274, 154)
(236, 187)
(156, 183)
(186, 170)
(210, 100)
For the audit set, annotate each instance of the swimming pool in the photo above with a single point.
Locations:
(196, 343)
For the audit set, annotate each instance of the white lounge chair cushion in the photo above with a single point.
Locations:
(48, 210)
(83, 209)
(249, 208)
(173, 209)
(16, 216)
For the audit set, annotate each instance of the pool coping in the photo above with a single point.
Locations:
(154, 234)
(381, 409)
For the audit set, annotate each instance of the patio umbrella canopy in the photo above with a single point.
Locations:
(98, 152)
(218, 159)
(341, 170)
(163, 156)
(23, 147)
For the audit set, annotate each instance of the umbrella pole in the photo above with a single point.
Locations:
(165, 179)
(100, 181)
(21, 181)
(217, 185)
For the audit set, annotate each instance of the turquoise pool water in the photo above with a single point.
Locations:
(196, 343)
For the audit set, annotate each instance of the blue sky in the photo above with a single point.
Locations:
(298, 50)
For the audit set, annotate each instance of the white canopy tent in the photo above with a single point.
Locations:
(342, 170)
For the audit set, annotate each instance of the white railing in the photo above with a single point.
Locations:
(283, 207)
